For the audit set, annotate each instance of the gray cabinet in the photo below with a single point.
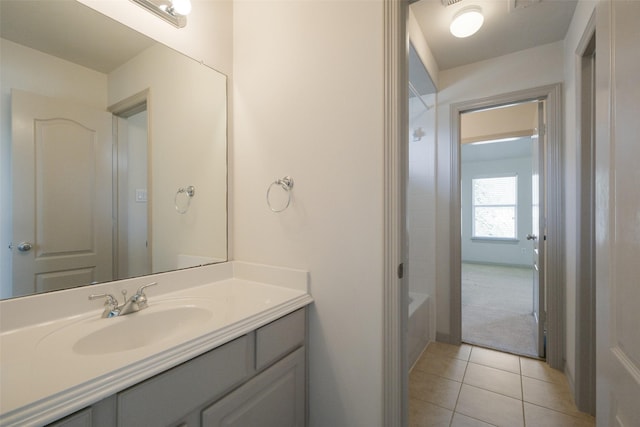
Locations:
(274, 398)
(101, 414)
(168, 397)
(258, 379)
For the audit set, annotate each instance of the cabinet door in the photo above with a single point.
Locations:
(275, 398)
(100, 414)
(79, 419)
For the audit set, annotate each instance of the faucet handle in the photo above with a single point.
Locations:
(110, 305)
(111, 300)
(143, 287)
(140, 298)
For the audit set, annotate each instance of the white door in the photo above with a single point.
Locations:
(62, 194)
(537, 235)
(618, 213)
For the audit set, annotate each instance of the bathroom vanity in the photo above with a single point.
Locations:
(236, 358)
(255, 380)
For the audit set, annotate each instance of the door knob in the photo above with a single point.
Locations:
(24, 246)
(531, 237)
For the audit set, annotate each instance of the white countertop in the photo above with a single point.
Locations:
(42, 379)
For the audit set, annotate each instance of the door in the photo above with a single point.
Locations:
(62, 194)
(617, 214)
(537, 235)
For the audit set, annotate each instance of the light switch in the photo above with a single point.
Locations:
(141, 195)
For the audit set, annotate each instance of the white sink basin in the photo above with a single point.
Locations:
(140, 329)
(160, 322)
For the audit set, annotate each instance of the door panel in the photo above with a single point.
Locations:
(62, 193)
(538, 228)
(617, 214)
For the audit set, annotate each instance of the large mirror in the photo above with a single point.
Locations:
(113, 153)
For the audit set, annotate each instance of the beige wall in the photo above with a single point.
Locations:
(207, 36)
(187, 123)
(422, 47)
(308, 99)
(514, 121)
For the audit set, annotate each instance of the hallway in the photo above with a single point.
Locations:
(471, 386)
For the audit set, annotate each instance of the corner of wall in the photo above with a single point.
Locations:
(417, 38)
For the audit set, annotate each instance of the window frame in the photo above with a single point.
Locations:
(474, 236)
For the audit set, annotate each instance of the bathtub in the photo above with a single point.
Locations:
(418, 325)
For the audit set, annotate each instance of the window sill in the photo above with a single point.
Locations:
(495, 239)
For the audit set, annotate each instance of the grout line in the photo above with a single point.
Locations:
(524, 418)
(455, 406)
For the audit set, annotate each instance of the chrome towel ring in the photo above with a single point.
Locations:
(286, 184)
(189, 191)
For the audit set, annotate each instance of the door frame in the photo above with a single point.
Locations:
(585, 344)
(554, 202)
(395, 369)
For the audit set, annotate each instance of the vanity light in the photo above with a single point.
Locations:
(181, 7)
(173, 11)
(466, 22)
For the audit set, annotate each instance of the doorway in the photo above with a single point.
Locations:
(132, 204)
(498, 188)
(551, 237)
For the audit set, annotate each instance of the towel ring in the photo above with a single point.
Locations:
(287, 184)
(190, 191)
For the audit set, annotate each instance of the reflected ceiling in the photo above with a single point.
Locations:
(92, 41)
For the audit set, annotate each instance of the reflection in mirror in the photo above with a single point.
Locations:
(112, 155)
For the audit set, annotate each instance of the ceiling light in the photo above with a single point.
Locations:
(466, 22)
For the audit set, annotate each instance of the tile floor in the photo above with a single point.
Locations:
(472, 386)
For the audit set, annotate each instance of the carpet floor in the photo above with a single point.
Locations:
(497, 307)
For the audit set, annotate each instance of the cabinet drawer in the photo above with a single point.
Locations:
(278, 338)
(165, 398)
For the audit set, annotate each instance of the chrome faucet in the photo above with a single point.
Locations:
(136, 303)
(111, 308)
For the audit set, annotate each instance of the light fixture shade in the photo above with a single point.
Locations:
(466, 22)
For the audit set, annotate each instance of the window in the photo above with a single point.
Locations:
(494, 207)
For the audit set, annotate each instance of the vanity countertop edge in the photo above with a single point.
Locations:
(143, 366)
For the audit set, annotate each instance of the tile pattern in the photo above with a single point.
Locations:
(466, 386)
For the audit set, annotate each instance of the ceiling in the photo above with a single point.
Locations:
(507, 29)
(72, 31)
(509, 26)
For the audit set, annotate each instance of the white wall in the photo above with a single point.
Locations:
(581, 17)
(526, 69)
(421, 202)
(308, 98)
(22, 68)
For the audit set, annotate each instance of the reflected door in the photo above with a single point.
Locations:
(62, 187)
(538, 230)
